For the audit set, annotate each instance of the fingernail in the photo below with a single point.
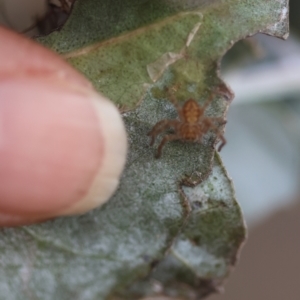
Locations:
(113, 161)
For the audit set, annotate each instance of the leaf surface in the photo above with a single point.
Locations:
(173, 229)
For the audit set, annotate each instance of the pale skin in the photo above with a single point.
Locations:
(57, 136)
(192, 125)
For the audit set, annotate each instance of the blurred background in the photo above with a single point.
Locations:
(262, 153)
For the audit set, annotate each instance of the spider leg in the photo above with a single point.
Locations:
(220, 120)
(160, 127)
(213, 127)
(167, 138)
(223, 142)
(210, 98)
(175, 103)
(220, 135)
(207, 102)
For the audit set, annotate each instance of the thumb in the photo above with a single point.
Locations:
(62, 146)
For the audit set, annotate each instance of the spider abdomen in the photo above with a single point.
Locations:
(189, 132)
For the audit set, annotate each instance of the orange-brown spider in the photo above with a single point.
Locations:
(191, 126)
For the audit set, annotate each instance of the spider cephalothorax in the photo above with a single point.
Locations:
(191, 126)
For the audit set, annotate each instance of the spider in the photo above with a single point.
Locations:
(191, 126)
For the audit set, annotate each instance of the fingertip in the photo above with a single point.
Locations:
(62, 151)
(63, 146)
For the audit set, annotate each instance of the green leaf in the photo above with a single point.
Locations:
(173, 229)
(204, 249)
(117, 44)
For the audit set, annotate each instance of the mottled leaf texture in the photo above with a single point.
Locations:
(173, 229)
